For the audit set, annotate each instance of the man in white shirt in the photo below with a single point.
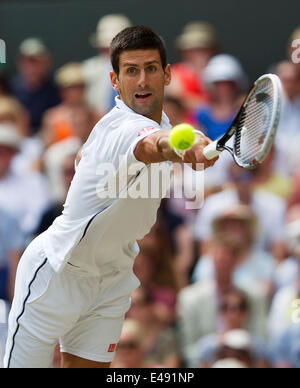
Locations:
(74, 281)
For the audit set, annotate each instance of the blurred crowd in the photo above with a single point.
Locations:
(220, 285)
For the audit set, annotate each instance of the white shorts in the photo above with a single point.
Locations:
(85, 314)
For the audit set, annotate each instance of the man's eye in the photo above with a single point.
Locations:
(131, 70)
(152, 69)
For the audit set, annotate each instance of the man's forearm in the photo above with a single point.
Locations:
(164, 148)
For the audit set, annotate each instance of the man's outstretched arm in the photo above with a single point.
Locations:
(155, 148)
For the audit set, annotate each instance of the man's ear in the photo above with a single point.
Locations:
(114, 81)
(168, 75)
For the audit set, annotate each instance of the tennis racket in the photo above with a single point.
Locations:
(254, 128)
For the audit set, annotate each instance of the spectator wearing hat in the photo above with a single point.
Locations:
(99, 92)
(196, 45)
(225, 82)
(239, 188)
(73, 117)
(254, 267)
(24, 195)
(33, 86)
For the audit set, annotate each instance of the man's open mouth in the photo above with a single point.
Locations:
(142, 96)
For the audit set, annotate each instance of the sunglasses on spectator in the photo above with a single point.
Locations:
(241, 307)
(128, 345)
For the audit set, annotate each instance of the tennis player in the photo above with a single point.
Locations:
(74, 281)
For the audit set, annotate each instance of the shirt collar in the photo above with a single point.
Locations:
(121, 105)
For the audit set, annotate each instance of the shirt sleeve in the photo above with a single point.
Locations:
(130, 135)
(119, 150)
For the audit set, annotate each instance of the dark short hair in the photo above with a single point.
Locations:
(136, 38)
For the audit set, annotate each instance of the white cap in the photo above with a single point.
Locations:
(69, 74)
(197, 34)
(9, 136)
(107, 28)
(225, 67)
(32, 47)
(237, 339)
(227, 363)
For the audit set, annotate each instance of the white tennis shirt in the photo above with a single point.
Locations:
(94, 231)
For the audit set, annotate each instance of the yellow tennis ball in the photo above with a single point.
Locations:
(182, 136)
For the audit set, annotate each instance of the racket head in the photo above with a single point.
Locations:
(256, 124)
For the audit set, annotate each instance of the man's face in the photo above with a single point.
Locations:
(34, 69)
(141, 82)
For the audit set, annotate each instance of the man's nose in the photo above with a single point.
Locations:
(142, 79)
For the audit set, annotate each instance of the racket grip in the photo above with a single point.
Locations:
(210, 151)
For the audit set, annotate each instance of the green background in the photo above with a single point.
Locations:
(256, 31)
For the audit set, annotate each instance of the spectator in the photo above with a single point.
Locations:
(196, 46)
(33, 86)
(129, 352)
(24, 195)
(73, 117)
(12, 245)
(234, 313)
(11, 111)
(225, 82)
(280, 317)
(236, 347)
(269, 209)
(254, 267)
(160, 342)
(198, 303)
(100, 93)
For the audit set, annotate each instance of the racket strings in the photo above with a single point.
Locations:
(254, 123)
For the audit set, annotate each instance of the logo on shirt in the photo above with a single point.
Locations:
(111, 348)
(145, 130)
